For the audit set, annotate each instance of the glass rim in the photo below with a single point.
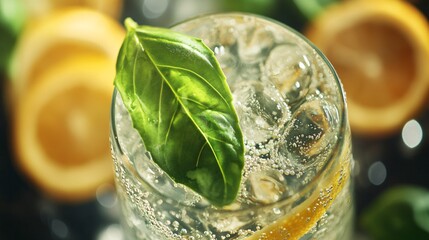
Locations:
(302, 190)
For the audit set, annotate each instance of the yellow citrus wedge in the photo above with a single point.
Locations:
(59, 36)
(61, 128)
(380, 50)
(40, 8)
(304, 217)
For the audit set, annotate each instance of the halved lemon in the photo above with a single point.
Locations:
(41, 8)
(59, 36)
(380, 50)
(61, 128)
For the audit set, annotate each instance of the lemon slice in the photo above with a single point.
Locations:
(62, 128)
(380, 50)
(59, 36)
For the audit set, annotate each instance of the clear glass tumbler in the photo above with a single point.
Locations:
(296, 181)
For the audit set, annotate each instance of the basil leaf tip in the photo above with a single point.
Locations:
(181, 105)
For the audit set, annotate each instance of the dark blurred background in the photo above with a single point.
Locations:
(382, 162)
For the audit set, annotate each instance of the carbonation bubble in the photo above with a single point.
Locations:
(290, 70)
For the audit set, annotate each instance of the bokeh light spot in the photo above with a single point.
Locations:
(106, 196)
(377, 173)
(59, 228)
(154, 8)
(111, 232)
(412, 134)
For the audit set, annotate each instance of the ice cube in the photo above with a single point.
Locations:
(249, 72)
(264, 187)
(261, 110)
(212, 31)
(254, 43)
(311, 131)
(290, 70)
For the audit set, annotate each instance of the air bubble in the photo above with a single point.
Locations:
(277, 211)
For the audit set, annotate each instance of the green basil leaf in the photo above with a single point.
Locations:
(181, 105)
(401, 212)
(12, 19)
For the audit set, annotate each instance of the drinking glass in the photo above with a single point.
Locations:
(296, 181)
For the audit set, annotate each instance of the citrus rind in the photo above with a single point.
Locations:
(63, 181)
(58, 36)
(412, 26)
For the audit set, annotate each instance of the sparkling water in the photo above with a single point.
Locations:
(292, 114)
